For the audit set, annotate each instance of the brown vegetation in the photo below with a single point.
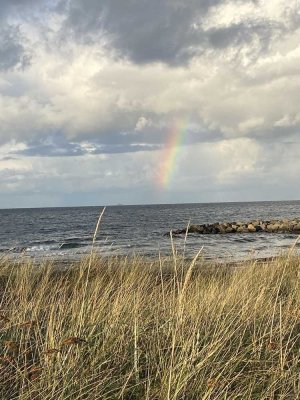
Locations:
(131, 328)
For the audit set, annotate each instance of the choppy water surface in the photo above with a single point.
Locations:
(67, 232)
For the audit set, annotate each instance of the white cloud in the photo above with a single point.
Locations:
(234, 12)
(236, 169)
(142, 123)
(241, 100)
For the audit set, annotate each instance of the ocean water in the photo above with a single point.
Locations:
(67, 232)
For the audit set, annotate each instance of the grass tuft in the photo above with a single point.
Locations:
(134, 328)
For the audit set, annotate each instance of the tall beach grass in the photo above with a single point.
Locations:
(134, 328)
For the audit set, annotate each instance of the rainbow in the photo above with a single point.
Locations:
(171, 152)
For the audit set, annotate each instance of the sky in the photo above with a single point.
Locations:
(148, 101)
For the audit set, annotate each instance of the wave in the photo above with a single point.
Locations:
(39, 248)
(17, 249)
(245, 239)
(5, 250)
(43, 242)
(45, 246)
(71, 245)
(72, 239)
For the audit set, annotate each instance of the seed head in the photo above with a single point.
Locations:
(272, 345)
(34, 372)
(9, 344)
(73, 340)
(27, 324)
(4, 318)
(211, 382)
(51, 351)
(6, 359)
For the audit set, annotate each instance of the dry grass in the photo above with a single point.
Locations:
(127, 328)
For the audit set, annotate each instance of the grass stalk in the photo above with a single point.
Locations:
(214, 331)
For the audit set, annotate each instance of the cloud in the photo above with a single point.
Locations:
(58, 146)
(158, 31)
(175, 32)
(92, 91)
(142, 124)
(142, 30)
(12, 51)
(80, 89)
(232, 170)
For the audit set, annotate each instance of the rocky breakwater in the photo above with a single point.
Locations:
(273, 226)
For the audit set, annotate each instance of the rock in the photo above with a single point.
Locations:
(177, 232)
(251, 228)
(273, 226)
(269, 228)
(285, 227)
(200, 229)
(194, 229)
(208, 229)
(223, 228)
(296, 228)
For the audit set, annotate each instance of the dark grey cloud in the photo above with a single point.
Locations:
(75, 150)
(241, 33)
(52, 151)
(17, 7)
(114, 142)
(130, 148)
(166, 31)
(53, 145)
(13, 3)
(7, 158)
(279, 134)
(57, 146)
(143, 30)
(12, 51)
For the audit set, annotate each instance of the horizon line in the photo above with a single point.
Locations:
(150, 204)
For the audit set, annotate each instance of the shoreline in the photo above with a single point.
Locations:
(66, 263)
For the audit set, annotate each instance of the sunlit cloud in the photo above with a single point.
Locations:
(96, 86)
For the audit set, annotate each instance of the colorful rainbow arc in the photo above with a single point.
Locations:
(171, 152)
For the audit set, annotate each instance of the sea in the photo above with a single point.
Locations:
(67, 233)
